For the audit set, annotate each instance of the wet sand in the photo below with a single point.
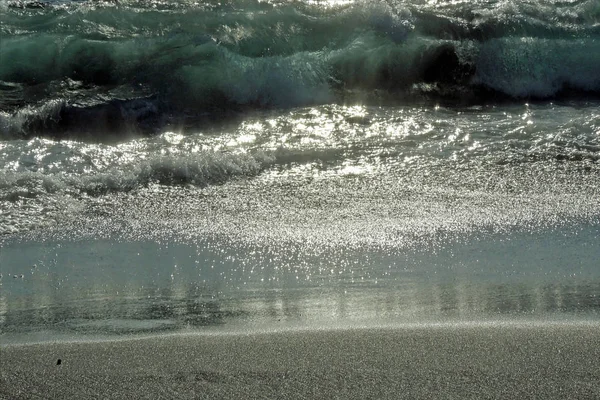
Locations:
(520, 361)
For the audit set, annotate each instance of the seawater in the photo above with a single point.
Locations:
(176, 166)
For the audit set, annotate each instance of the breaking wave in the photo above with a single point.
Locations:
(108, 68)
(199, 169)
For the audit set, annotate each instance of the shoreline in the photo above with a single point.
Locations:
(447, 361)
(317, 327)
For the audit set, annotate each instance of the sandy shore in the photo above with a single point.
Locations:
(523, 361)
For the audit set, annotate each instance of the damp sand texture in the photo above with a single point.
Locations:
(510, 361)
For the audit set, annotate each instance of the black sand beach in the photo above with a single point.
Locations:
(478, 361)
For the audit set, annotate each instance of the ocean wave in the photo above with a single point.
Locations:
(531, 67)
(104, 119)
(200, 169)
(90, 67)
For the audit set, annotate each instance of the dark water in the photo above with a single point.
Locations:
(144, 66)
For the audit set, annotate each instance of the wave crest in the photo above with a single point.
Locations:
(130, 68)
(201, 169)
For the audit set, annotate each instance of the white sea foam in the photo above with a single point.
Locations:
(196, 169)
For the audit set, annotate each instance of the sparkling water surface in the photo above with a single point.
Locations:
(320, 216)
(179, 166)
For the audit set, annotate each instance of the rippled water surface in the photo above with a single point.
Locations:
(176, 166)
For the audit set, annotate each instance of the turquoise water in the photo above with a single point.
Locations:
(169, 167)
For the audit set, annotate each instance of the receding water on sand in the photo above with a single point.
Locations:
(115, 287)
